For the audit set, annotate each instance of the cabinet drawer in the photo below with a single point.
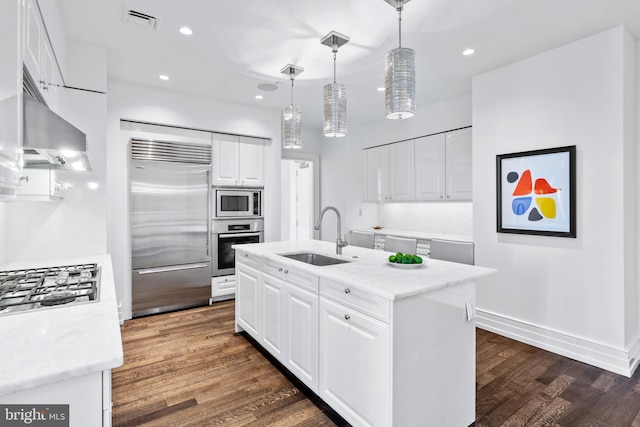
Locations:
(294, 276)
(246, 258)
(362, 301)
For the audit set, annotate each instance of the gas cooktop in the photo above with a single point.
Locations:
(47, 287)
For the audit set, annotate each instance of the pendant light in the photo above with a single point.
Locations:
(335, 94)
(291, 114)
(400, 75)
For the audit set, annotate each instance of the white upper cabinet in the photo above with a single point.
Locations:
(40, 185)
(459, 181)
(225, 159)
(33, 39)
(238, 161)
(390, 171)
(430, 167)
(377, 167)
(443, 166)
(39, 57)
(251, 168)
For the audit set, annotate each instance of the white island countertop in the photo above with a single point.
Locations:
(44, 346)
(369, 269)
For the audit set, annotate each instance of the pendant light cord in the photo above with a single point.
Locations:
(292, 76)
(400, 25)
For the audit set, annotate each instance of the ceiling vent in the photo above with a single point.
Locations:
(139, 19)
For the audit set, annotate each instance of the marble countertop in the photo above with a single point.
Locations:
(369, 269)
(54, 344)
(423, 235)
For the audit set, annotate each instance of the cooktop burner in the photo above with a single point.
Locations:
(29, 289)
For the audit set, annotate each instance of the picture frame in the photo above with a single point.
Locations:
(536, 192)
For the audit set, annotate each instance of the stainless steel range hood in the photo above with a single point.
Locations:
(51, 142)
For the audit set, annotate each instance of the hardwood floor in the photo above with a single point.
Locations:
(187, 368)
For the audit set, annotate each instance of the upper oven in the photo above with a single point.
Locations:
(227, 233)
(237, 202)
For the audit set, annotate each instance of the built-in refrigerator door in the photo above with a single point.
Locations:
(170, 255)
(169, 213)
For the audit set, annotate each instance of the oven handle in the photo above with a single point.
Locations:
(167, 269)
(226, 236)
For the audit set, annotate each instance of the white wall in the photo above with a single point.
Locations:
(566, 295)
(75, 226)
(343, 176)
(146, 104)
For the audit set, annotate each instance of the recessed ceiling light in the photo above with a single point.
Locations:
(468, 52)
(380, 89)
(164, 77)
(259, 96)
(186, 31)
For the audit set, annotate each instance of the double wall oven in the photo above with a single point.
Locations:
(238, 220)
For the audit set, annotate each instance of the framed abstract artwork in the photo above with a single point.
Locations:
(536, 192)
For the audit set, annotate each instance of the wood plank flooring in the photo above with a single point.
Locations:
(187, 368)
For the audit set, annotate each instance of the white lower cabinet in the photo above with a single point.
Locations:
(273, 315)
(247, 293)
(301, 342)
(88, 397)
(354, 364)
(223, 287)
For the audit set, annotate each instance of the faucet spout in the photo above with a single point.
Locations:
(339, 242)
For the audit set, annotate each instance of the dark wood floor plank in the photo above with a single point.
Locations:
(188, 368)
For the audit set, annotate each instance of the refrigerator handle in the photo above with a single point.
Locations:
(167, 269)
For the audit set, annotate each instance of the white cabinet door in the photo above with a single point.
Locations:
(34, 36)
(302, 335)
(49, 77)
(355, 371)
(248, 299)
(430, 167)
(401, 176)
(273, 314)
(225, 160)
(377, 169)
(251, 158)
(459, 180)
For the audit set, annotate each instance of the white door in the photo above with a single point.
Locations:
(273, 313)
(354, 364)
(251, 157)
(302, 335)
(225, 160)
(377, 172)
(247, 299)
(430, 167)
(459, 180)
(401, 177)
(304, 200)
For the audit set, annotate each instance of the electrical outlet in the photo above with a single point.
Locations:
(360, 212)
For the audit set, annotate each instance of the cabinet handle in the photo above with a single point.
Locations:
(286, 272)
(347, 290)
(347, 317)
(246, 255)
(441, 197)
(280, 269)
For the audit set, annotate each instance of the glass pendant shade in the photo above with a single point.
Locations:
(335, 110)
(291, 127)
(400, 83)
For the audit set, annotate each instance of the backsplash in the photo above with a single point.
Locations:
(437, 217)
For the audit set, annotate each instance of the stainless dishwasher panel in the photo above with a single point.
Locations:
(167, 288)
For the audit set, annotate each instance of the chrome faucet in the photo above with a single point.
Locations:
(339, 242)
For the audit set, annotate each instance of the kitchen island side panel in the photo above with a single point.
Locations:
(433, 358)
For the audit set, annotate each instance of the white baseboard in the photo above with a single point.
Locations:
(618, 360)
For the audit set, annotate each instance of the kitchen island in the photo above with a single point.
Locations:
(63, 354)
(381, 344)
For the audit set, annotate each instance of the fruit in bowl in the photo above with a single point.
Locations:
(401, 258)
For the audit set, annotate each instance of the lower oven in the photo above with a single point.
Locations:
(228, 232)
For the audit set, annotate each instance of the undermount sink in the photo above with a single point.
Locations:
(314, 259)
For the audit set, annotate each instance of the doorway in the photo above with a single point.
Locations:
(299, 190)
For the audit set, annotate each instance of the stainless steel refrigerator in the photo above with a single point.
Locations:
(169, 200)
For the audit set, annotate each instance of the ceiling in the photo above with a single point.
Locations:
(237, 45)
